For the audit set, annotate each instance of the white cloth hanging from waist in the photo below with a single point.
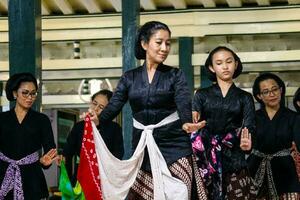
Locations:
(117, 176)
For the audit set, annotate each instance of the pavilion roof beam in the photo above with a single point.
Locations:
(178, 4)
(117, 4)
(177, 31)
(294, 1)
(194, 24)
(148, 4)
(64, 6)
(234, 3)
(263, 2)
(45, 9)
(184, 18)
(4, 4)
(207, 3)
(92, 6)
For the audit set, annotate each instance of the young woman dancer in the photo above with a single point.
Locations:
(229, 113)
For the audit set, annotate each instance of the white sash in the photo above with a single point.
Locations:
(117, 176)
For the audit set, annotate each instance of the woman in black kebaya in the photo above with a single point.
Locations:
(24, 132)
(156, 91)
(229, 112)
(270, 162)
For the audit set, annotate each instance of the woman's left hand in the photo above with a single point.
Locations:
(49, 157)
(192, 127)
(93, 116)
(246, 142)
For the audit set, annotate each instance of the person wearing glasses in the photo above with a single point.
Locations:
(230, 116)
(111, 133)
(23, 133)
(270, 162)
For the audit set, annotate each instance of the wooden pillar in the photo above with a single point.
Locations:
(204, 81)
(1, 89)
(24, 18)
(130, 23)
(186, 49)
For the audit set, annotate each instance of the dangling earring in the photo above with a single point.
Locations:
(15, 98)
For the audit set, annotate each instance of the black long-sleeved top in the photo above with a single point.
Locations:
(19, 140)
(111, 133)
(152, 102)
(273, 136)
(224, 115)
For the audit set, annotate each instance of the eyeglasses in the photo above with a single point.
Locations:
(95, 104)
(274, 91)
(27, 93)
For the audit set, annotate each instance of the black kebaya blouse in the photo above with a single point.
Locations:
(152, 102)
(224, 115)
(273, 135)
(18, 140)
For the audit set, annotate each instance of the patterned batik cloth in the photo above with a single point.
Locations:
(264, 195)
(296, 156)
(184, 169)
(208, 149)
(13, 178)
(290, 196)
(285, 196)
(239, 186)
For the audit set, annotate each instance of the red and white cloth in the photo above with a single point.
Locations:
(88, 170)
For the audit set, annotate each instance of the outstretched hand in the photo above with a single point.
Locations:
(246, 142)
(192, 127)
(49, 157)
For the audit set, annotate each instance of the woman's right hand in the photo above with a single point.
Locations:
(192, 127)
(49, 157)
(246, 142)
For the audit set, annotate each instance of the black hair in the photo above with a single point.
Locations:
(297, 98)
(267, 76)
(209, 62)
(144, 34)
(104, 92)
(14, 82)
